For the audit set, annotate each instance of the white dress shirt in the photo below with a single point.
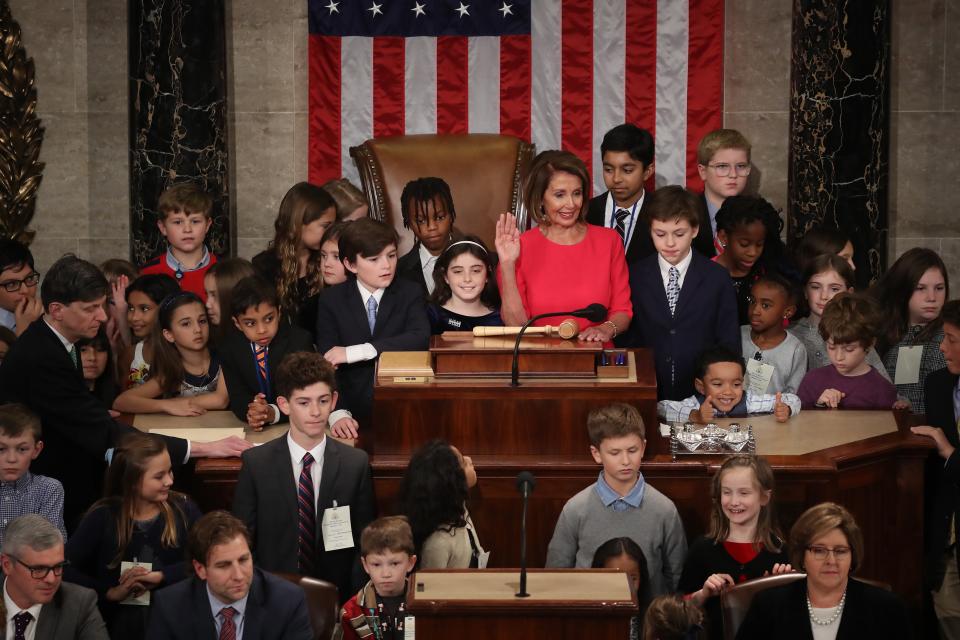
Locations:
(240, 606)
(13, 609)
(316, 471)
(427, 262)
(630, 224)
(8, 320)
(681, 266)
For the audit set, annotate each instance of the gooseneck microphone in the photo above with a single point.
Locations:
(526, 481)
(595, 312)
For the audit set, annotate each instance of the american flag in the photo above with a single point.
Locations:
(559, 73)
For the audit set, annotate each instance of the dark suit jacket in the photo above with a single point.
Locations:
(72, 614)
(240, 366)
(276, 610)
(641, 244)
(410, 268)
(77, 429)
(706, 316)
(869, 612)
(266, 500)
(942, 479)
(402, 325)
(703, 243)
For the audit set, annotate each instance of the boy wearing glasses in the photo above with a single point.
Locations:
(19, 305)
(427, 209)
(723, 161)
(39, 604)
(22, 492)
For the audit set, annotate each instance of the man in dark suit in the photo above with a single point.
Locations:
(368, 314)
(227, 597)
(627, 153)
(276, 476)
(703, 311)
(38, 603)
(42, 371)
(942, 482)
(427, 209)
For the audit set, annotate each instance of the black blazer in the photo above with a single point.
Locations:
(268, 265)
(72, 613)
(942, 478)
(276, 610)
(410, 268)
(240, 366)
(869, 612)
(266, 500)
(703, 243)
(77, 428)
(641, 244)
(402, 325)
(706, 315)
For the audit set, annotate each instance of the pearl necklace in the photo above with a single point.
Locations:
(836, 614)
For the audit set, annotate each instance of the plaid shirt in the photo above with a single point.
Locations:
(679, 411)
(931, 360)
(31, 494)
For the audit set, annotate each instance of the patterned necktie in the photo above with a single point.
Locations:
(621, 216)
(261, 355)
(75, 356)
(307, 518)
(673, 289)
(228, 630)
(20, 622)
(371, 313)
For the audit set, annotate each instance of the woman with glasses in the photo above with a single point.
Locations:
(828, 604)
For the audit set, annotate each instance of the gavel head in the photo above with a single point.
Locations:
(568, 329)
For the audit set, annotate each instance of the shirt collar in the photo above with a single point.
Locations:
(215, 605)
(365, 295)
(608, 496)
(13, 609)
(20, 484)
(297, 452)
(426, 256)
(176, 265)
(66, 343)
(8, 319)
(682, 266)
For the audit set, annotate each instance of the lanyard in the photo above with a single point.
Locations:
(633, 215)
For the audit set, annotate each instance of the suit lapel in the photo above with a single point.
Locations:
(205, 627)
(387, 302)
(691, 282)
(285, 487)
(59, 349)
(654, 285)
(49, 619)
(355, 308)
(328, 478)
(253, 622)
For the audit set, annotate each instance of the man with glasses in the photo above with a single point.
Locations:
(39, 605)
(723, 161)
(19, 305)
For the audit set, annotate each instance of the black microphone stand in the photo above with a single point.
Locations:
(525, 492)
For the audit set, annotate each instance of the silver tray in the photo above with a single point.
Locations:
(688, 439)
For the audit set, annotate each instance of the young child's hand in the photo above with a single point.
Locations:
(336, 356)
(128, 585)
(779, 569)
(345, 427)
(183, 407)
(26, 311)
(901, 403)
(944, 448)
(781, 410)
(831, 398)
(713, 585)
(507, 239)
(707, 412)
(259, 412)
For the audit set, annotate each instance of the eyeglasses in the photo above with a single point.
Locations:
(12, 286)
(39, 573)
(821, 553)
(722, 169)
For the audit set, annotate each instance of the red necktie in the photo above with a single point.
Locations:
(228, 630)
(307, 519)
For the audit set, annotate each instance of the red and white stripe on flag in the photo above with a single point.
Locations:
(586, 66)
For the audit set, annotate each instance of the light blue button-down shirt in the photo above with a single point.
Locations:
(238, 618)
(614, 500)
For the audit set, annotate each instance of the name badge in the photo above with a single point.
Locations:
(908, 365)
(336, 528)
(142, 600)
(759, 375)
(409, 628)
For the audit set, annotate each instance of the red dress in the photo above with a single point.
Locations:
(557, 277)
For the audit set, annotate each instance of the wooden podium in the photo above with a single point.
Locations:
(563, 604)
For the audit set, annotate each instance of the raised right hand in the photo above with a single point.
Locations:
(507, 240)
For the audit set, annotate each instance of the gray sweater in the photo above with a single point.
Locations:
(585, 524)
(788, 359)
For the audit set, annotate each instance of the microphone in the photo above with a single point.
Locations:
(526, 482)
(594, 313)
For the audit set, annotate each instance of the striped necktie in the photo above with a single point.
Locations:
(228, 629)
(621, 217)
(307, 519)
(261, 355)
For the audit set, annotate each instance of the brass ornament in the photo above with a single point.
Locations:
(20, 133)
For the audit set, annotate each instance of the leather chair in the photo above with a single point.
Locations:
(323, 604)
(485, 173)
(735, 601)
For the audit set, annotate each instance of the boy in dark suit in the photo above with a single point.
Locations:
(723, 161)
(682, 302)
(627, 153)
(368, 314)
(942, 393)
(250, 356)
(227, 593)
(427, 209)
(306, 497)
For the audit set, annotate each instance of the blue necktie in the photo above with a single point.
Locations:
(371, 313)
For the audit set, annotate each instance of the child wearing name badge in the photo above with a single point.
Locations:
(378, 610)
(776, 360)
(306, 497)
(912, 293)
(465, 293)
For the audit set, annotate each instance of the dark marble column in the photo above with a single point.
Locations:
(840, 124)
(178, 109)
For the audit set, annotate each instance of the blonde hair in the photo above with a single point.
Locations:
(721, 139)
(348, 197)
(544, 166)
(768, 534)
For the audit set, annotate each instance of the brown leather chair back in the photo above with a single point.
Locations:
(735, 601)
(323, 604)
(485, 173)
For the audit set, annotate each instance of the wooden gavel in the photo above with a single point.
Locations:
(568, 329)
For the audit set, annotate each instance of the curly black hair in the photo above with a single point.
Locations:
(739, 211)
(433, 492)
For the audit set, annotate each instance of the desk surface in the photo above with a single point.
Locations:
(594, 585)
(214, 420)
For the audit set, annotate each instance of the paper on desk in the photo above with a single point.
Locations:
(200, 434)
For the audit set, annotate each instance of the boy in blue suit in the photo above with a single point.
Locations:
(370, 313)
(683, 303)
